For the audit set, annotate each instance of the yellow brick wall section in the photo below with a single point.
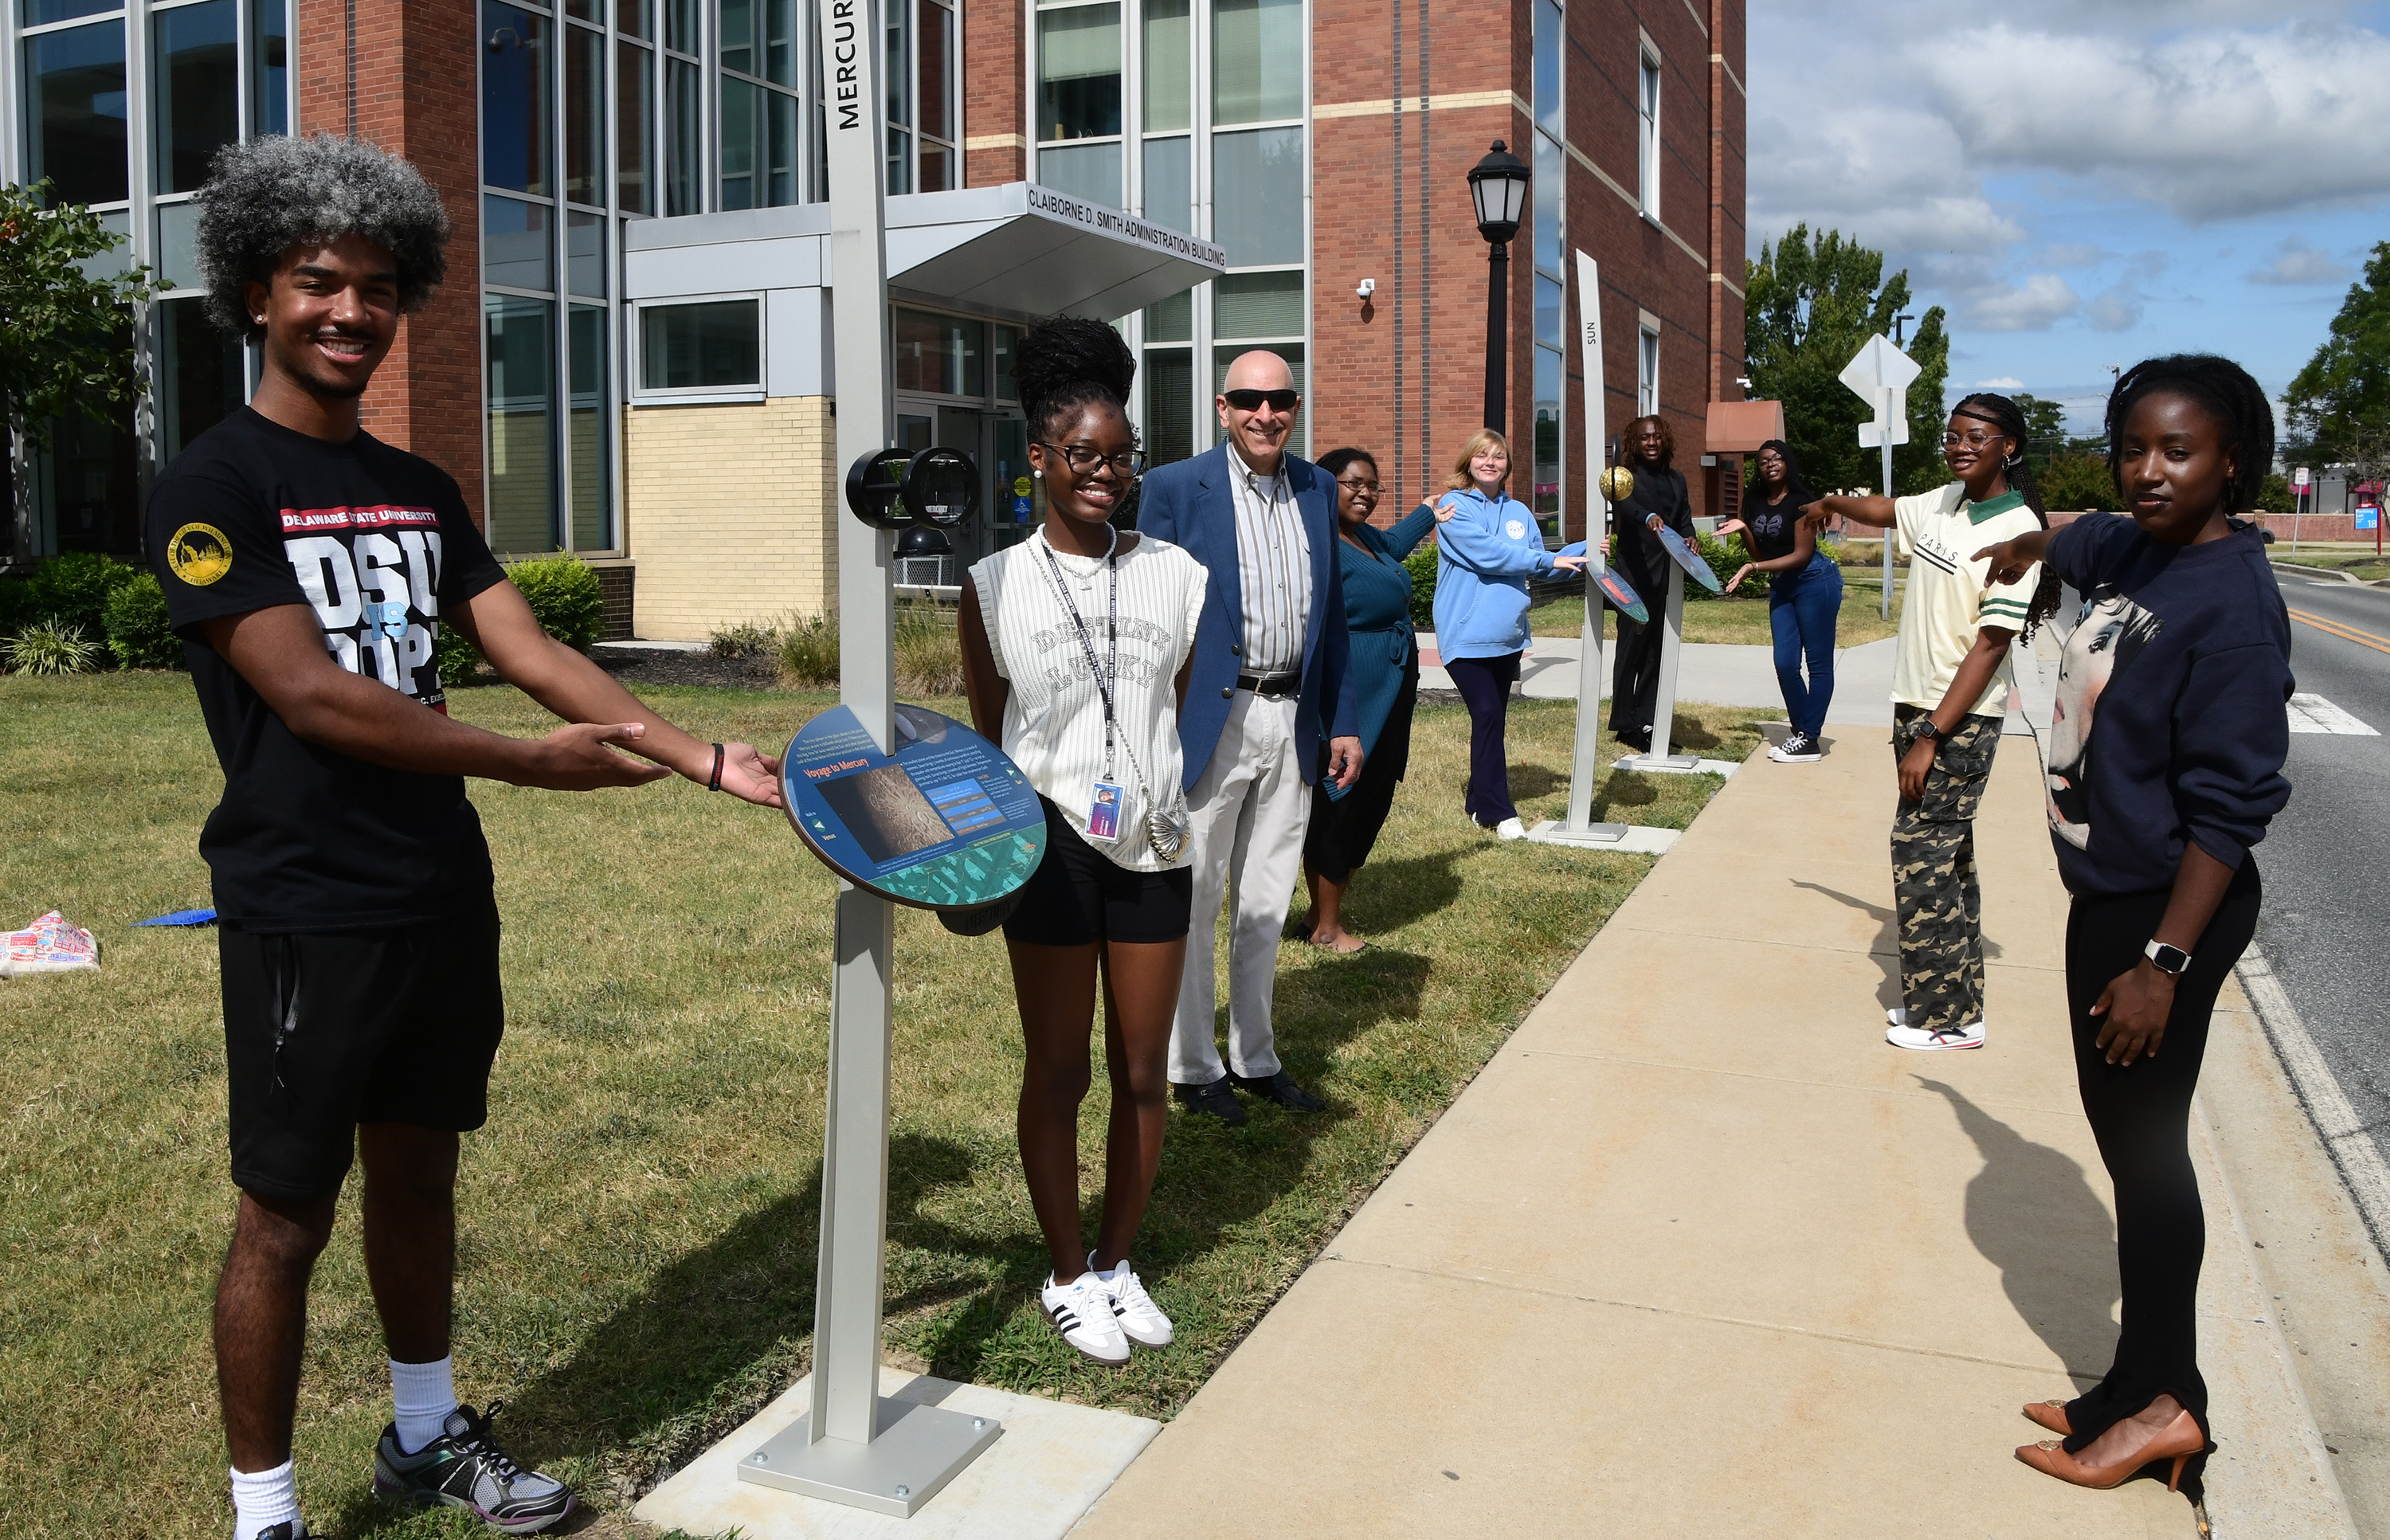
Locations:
(729, 514)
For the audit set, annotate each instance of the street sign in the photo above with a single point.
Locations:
(2369, 518)
(2299, 477)
(1881, 376)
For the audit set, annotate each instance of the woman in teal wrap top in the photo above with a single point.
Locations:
(1384, 668)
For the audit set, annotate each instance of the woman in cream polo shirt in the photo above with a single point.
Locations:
(1948, 701)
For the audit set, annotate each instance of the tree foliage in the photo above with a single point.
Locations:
(2338, 408)
(62, 348)
(1812, 305)
(2044, 428)
(2078, 483)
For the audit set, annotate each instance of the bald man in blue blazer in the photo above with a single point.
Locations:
(1269, 683)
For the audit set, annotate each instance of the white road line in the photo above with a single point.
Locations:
(2343, 1134)
(2313, 713)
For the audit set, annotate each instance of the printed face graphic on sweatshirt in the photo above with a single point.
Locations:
(2112, 633)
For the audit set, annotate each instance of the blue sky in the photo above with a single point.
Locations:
(2085, 183)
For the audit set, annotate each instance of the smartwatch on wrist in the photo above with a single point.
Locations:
(1927, 732)
(2169, 960)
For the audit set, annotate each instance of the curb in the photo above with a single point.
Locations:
(2338, 1128)
(2340, 572)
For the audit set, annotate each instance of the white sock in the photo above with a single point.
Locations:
(261, 1499)
(425, 1393)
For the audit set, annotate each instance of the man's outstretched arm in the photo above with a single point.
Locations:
(497, 620)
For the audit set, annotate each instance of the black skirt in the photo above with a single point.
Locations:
(1345, 830)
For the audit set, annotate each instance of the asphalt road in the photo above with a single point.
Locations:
(2326, 922)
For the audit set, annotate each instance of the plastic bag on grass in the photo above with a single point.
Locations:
(47, 945)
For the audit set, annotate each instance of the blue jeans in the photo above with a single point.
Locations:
(1802, 609)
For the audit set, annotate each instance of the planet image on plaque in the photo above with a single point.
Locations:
(886, 813)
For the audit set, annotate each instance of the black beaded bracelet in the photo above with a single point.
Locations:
(713, 782)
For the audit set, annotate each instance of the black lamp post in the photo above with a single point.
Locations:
(1497, 184)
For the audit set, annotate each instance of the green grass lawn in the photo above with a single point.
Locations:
(637, 1228)
(2361, 563)
(1738, 619)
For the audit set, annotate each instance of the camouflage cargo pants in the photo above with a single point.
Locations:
(1934, 896)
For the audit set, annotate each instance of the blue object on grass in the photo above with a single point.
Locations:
(182, 917)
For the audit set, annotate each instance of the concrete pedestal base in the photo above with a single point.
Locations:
(1632, 838)
(1034, 1483)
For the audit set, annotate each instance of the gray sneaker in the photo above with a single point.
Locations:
(465, 1468)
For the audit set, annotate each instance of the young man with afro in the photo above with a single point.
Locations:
(308, 568)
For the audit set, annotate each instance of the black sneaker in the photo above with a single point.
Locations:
(290, 1529)
(1797, 748)
(465, 1468)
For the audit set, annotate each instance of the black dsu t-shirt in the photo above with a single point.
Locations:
(376, 542)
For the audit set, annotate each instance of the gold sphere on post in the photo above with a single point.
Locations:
(1618, 483)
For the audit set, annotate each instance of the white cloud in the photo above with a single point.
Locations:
(2116, 308)
(2297, 263)
(2035, 304)
(2074, 254)
(1882, 173)
(2217, 124)
(2003, 383)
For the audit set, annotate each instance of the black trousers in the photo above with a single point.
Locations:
(1485, 685)
(1345, 830)
(2140, 1115)
(1635, 672)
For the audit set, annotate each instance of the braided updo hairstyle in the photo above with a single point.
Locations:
(2222, 389)
(1069, 363)
(2009, 418)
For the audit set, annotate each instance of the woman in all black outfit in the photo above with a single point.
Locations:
(1660, 497)
(2159, 786)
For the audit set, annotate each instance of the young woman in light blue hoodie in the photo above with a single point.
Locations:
(1488, 545)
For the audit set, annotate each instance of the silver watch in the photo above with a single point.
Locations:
(2166, 959)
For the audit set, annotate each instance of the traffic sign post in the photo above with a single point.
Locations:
(855, 1446)
(2300, 483)
(1881, 376)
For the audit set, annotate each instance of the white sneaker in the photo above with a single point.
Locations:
(1968, 1036)
(1798, 749)
(1082, 1311)
(1898, 1017)
(1510, 829)
(1141, 1319)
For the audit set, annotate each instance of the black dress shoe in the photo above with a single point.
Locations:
(1278, 1087)
(1213, 1101)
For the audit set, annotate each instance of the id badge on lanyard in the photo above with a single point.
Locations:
(1104, 810)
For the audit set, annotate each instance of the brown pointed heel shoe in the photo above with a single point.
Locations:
(2050, 1414)
(2179, 1442)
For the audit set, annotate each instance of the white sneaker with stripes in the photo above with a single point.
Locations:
(1139, 1317)
(1082, 1311)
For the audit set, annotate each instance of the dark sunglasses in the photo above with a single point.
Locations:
(1250, 401)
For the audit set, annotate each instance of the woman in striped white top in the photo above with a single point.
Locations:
(1077, 644)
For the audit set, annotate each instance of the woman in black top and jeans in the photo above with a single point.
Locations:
(1805, 596)
(2159, 786)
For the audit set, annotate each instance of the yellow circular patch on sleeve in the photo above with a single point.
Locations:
(198, 554)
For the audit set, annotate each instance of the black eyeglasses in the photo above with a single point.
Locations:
(1083, 461)
(1250, 401)
(1359, 488)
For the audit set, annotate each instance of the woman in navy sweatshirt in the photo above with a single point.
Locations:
(2160, 784)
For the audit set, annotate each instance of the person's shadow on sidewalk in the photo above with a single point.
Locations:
(2032, 1214)
(1886, 944)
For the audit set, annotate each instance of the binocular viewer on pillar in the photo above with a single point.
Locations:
(900, 489)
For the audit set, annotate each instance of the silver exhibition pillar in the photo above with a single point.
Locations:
(855, 1446)
(1664, 715)
(1580, 829)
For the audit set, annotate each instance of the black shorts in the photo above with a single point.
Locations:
(1077, 896)
(326, 1030)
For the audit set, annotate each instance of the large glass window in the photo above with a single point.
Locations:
(635, 127)
(75, 115)
(520, 350)
(1079, 101)
(1258, 66)
(198, 90)
(712, 345)
(941, 355)
(584, 115)
(200, 373)
(515, 105)
(269, 65)
(1257, 195)
(760, 152)
(589, 437)
(1647, 136)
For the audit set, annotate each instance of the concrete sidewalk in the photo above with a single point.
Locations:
(1711, 674)
(1699, 1253)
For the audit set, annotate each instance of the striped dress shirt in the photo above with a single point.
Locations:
(1274, 562)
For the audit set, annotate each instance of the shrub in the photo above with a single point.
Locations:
(50, 646)
(929, 651)
(73, 589)
(2275, 497)
(458, 659)
(806, 651)
(565, 597)
(16, 605)
(747, 639)
(1725, 559)
(138, 631)
(1422, 565)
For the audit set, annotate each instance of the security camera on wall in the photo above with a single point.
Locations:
(1369, 287)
